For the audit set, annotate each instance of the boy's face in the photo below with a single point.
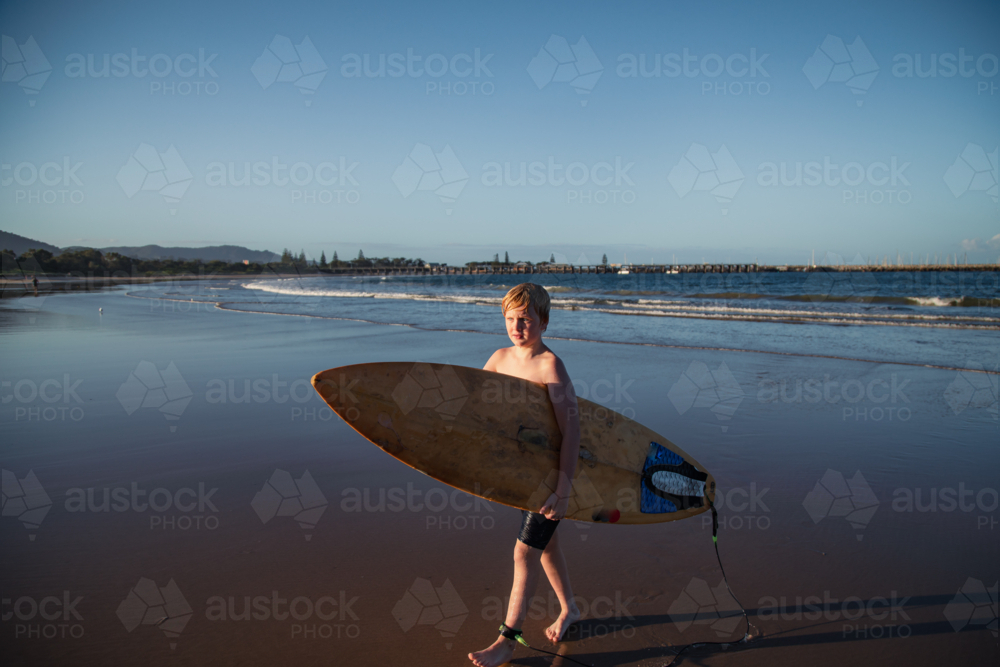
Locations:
(524, 326)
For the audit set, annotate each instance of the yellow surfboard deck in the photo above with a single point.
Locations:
(496, 436)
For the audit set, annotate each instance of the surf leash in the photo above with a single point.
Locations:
(509, 633)
(747, 636)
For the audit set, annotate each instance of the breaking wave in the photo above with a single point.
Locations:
(924, 311)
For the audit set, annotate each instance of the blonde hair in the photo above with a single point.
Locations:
(528, 294)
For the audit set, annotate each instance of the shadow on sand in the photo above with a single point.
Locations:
(823, 633)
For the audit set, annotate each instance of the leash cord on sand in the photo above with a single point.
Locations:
(747, 637)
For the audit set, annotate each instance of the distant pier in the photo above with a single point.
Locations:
(628, 269)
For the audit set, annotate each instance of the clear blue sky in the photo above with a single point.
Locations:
(790, 110)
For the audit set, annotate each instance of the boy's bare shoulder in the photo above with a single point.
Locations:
(553, 369)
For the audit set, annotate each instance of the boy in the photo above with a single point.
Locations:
(526, 311)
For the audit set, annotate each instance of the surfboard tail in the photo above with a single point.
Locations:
(671, 484)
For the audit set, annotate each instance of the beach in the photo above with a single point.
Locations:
(856, 464)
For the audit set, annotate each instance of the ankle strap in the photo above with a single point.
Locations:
(509, 633)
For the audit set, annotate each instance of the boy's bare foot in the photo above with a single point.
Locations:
(567, 618)
(499, 653)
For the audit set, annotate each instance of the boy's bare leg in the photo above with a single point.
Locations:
(555, 569)
(526, 571)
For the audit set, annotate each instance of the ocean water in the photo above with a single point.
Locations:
(944, 319)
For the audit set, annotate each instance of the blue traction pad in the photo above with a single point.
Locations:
(650, 502)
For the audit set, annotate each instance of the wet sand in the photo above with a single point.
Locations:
(351, 589)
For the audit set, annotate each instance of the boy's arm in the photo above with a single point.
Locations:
(568, 417)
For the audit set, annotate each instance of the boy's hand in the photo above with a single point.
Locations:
(555, 507)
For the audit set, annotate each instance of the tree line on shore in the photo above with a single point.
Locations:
(92, 262)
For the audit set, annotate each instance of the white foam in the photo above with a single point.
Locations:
(668, 307)
(934, 301)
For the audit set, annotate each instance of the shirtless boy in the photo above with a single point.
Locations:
(526, 311)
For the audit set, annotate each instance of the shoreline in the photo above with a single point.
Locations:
(46, 284)
(226, 307)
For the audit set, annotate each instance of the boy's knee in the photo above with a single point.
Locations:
(525, 554)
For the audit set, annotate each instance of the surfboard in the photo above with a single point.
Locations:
(496, 436)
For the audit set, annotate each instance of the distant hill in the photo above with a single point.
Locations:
(21, 244)
(225, 253)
